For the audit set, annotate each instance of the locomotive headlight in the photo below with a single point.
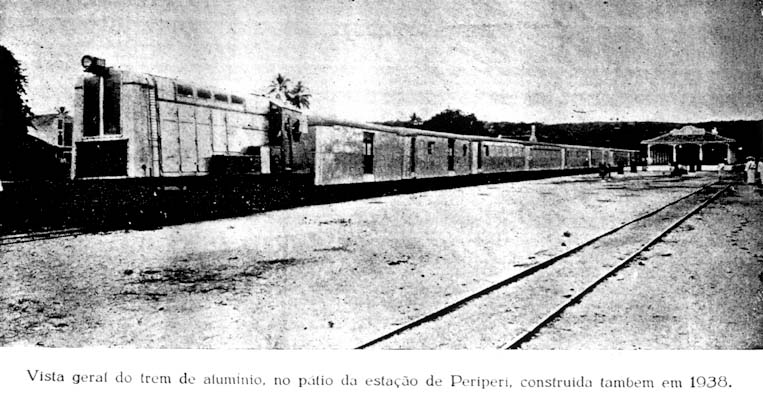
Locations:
(87, 61)
(93, 65)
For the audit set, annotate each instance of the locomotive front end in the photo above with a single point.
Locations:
(100, 145)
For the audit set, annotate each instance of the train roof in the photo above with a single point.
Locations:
(167, 88)
(405, 131)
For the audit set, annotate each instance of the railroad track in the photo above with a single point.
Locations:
(544, 284)
(44, 235)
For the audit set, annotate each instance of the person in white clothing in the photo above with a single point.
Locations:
(749, 168)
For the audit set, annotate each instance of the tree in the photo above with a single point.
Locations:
(298, 96)
(280, 89)
(453, 121)
(15, 115)
(415, 120)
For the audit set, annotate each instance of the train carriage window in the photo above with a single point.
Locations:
(68, 134)
(90, 113)
(430, 147)
(487, 150)
(368, 153)
(466, 150)
(221, 97)
(368, 144)
(295, 131)
(112, 87)
(184, 91)
(203, 93)
(236, 99)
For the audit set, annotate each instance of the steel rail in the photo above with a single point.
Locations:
(34, 236)
(518, 341)
(516, 277)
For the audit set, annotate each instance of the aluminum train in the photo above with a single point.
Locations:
(139, 126)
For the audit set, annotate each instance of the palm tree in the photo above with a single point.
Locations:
(279, 87)
(298, 96)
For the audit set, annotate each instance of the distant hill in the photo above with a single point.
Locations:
(625, 134)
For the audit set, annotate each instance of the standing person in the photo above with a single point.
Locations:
(759, 170)
(721, 166)
(603, 169)
(749, 168)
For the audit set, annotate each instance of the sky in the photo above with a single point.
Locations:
(546, 61)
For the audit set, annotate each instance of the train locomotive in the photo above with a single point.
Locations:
(132, 125)
(148, 134)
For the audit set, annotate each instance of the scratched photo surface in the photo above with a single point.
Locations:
(337, 174)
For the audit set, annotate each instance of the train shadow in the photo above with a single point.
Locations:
(107, 205)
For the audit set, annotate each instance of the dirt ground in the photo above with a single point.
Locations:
(699, 288)
(329, 276)
(496, 319)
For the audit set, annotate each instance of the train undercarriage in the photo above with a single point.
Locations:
(111, 204)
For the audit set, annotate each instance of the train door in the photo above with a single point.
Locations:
(188, 140)
(465, 156)
(170, 139)
(413, 154)
(289, 155)
(479, 155)
(412, 157)
(368, 153)
(451, 154)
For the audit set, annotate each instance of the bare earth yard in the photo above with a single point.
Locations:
(332, 276)
(700, 288)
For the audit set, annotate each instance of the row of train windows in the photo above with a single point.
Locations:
(513, 151)
(187, 91)
(465, 150)
(451, 149)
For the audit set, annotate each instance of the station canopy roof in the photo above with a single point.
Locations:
(689, 135)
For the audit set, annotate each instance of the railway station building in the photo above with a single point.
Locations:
(689, 145)
(55, 129)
